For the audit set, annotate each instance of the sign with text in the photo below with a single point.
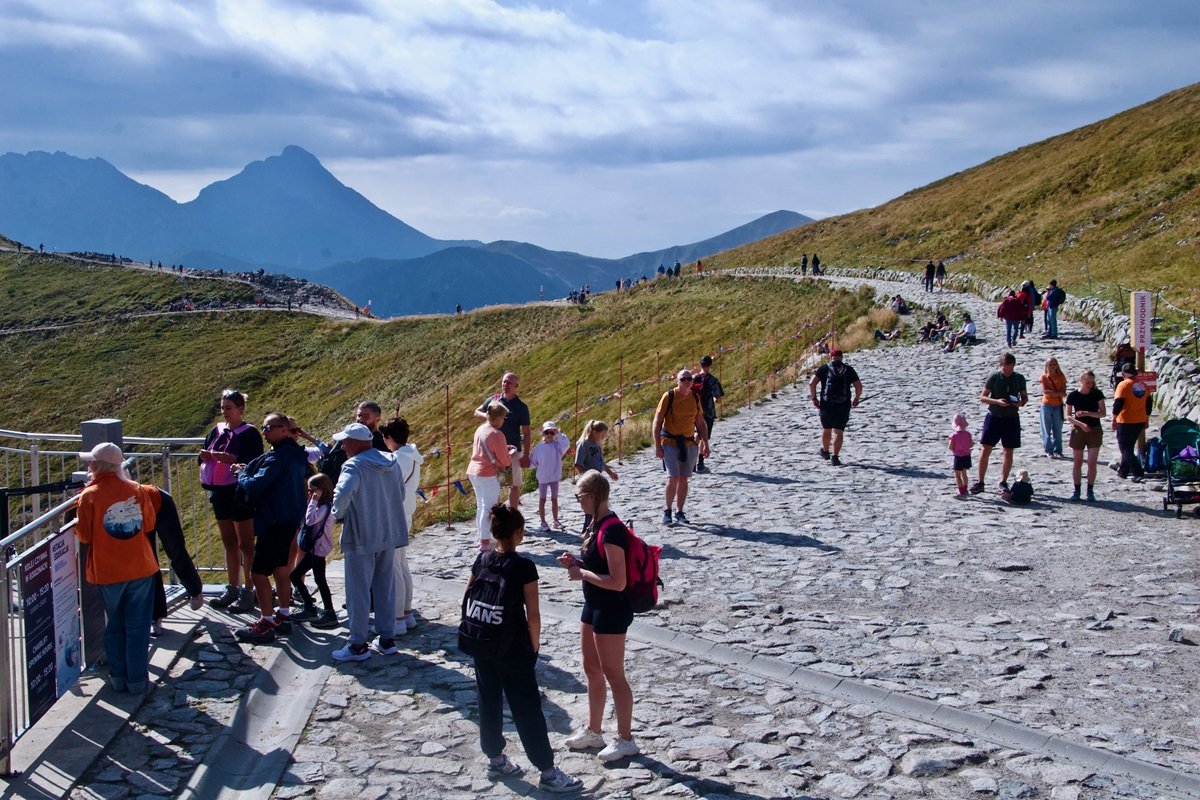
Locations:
(50, 595)
(1147, 379)
(1141, 309)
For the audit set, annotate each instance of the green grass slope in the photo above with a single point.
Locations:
(162, 374)
(1112, 204)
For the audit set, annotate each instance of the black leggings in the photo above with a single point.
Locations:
(317, 565)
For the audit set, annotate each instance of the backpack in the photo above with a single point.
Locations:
(331, 464)
(837, 385)
(1154, 457)
(483, 631)
(641, 568)
(217, 473)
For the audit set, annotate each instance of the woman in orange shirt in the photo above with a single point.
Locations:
(1054, 389)
(114, 514)
(490, 453)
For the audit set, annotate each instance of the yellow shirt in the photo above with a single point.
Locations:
(678, 415)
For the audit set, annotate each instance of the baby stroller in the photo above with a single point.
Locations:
(1181, 441)
(1125, 355)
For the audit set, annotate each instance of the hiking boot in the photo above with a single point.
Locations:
(307, 613)
(558, 782)
(619, 748)
(502, 768)
(977, 487)
(1075, 495)
(834, 461)
(666, 520)
(246, 602)
(701, 469)
(352, 652)
(259, 632)
(228, 596)
(1091, 495)
(681, 518)
(824, 453)
(329, 619)
(584, 739)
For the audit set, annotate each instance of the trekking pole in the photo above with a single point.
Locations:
(448, 492)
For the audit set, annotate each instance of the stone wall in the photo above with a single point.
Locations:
(1174, 361)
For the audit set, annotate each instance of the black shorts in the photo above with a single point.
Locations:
(607, 618)
(962, 462)
(225, 505)
(272, 549)
(835, 415)
(1005, 430)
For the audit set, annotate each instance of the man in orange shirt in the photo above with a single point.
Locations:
(114, 514)
(680, 437)
(1132, 403)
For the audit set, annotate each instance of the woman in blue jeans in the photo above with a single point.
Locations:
(1054, 390)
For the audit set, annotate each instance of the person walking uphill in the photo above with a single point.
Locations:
(1004, 394)
(275, 483)
(709, 389)
(369, 502)
(1132, 404)
(834, 403)
(114, 514)
(515, 428)
(680, 437)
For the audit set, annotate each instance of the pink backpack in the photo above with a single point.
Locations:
(641, 568)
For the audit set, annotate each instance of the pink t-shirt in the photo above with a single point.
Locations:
(960, 443)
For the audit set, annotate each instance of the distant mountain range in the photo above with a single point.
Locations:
(289, 214)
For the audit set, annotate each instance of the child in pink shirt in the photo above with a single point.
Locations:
(960, 445)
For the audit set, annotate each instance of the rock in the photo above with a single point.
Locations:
(874, 768)
(840, 784)
(938, 761)
(984, 785)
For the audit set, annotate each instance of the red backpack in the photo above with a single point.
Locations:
(641, 568)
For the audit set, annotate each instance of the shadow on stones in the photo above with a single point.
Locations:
(701, 787)
(671, 552)
(900, 472)
(786, 539)
(777, 480)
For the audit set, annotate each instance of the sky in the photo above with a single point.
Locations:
(605, 127)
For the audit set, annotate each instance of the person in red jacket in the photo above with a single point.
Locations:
(1012, 310)
(114, 514)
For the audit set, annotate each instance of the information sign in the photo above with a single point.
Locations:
(50, 595)
(1141, 309)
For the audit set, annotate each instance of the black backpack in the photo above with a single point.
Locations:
(484, 631)
(837, 385)
(331, 464)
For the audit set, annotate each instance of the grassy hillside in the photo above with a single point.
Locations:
(1113, 204)
(163, 374)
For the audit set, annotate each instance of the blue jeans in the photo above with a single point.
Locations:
(1052, 425)
(128, 605)
(1052, 321)
(1012, 331)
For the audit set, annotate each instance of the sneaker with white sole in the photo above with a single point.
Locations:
(544, 527)
(681, 518)
(558, 782)
(619, 748)
(353, 652)
(410, 622)
(502, 768)
(386, 647)
(584, 739)
(666, 520)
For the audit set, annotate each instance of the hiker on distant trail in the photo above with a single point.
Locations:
(680, 437)
(816, 264)
(1055, 297)
(1132, 404)
(930, 274)
(709, 389)
(804, 264)
(940, 275)
(1029, 294)
(1004, 394)
(834, 403)
(516, 430)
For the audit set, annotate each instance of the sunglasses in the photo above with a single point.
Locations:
(685, 379)
(266, 428)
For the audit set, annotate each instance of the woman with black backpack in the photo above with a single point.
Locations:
(501, 628)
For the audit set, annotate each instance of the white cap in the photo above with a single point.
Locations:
(356, 431)
(106, 452)
(549, 425)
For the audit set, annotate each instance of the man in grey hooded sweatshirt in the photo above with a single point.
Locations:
(369, 502)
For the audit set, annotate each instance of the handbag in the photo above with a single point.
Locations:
(503, 473)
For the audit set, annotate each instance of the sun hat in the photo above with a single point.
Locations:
(105, 452)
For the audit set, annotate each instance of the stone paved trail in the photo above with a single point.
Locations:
(1057, 616)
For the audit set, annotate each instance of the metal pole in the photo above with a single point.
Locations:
(449, 488)
(6, 739)
(35, 478)
(620, 405)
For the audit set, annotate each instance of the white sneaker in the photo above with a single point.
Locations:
(401, 626)
(619, 748)
(584, 739)
(410, 622)
(545, 527)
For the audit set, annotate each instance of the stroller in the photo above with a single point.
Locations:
(1181, 441)
(1125, 355)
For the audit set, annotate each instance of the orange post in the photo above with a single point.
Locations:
(577, 411)
(446, 455)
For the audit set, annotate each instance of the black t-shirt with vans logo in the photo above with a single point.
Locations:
(518, 571)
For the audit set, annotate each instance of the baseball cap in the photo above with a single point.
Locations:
(705, 361)
(835, 353)
(549, 425)
(105, 452)
(356, 431)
